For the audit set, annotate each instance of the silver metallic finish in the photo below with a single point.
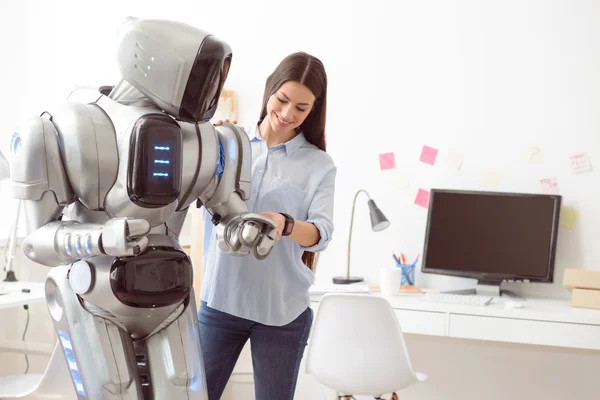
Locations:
(85, 132)
(37, 166)
(159, 74)
(72, 176)
(103, 352)
(176, 359)
(81, 277)
(201, 144)
(175, 223)
(118, 203)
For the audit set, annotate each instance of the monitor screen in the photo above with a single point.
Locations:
(491, 236)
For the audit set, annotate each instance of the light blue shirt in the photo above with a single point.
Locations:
(296, 178)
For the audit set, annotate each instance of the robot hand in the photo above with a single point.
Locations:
(124, 237)
(246, 233)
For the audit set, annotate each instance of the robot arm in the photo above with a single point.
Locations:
(41, 183)
(238, 231)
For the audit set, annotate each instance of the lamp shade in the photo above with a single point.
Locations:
(378, 221)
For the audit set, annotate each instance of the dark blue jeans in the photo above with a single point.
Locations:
(276, 352)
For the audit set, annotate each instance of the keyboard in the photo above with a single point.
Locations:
(352, 288)
(467, 299)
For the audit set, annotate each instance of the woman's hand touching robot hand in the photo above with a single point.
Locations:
(279, 221)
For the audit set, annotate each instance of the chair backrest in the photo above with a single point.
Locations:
(357, 346)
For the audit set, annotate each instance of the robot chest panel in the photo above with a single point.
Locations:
(154, 162)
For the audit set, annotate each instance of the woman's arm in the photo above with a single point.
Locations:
(303, 233)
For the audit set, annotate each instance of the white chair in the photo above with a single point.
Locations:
(55, 383)
(357, 347)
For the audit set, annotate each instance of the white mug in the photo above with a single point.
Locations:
(389, 281)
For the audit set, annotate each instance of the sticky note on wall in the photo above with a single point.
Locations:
(549, 186)
(455, 159)
(387, 161)
(580, 163)
(491, 179)
(428, 155)
(568, 217)
(422, 198)
(535, 154)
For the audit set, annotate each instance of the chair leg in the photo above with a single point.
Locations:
(394, 397)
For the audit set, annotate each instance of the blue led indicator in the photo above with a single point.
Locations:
(67, 346)
(160, 174)
(15, 143)
(162, 162)
(163, 148)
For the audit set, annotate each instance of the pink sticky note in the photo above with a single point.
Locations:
(428, 155)
(386, 161)
(549, 186)
(580, 163)
(422, 198)
(455, 159)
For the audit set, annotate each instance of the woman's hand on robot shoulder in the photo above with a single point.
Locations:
(279, 221)
(220, 122)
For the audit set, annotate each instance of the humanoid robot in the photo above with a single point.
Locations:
(106, 186)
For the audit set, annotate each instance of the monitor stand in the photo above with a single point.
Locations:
(486, 288)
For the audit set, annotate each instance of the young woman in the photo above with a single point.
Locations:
(293, 181)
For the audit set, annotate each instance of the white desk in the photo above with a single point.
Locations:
(549, 322)
(17, 298)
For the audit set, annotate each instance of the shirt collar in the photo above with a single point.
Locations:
(290, 146)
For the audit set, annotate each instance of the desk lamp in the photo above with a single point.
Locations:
(378, 223)
(9, 249)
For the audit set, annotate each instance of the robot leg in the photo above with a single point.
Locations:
(100, 355)
(175, 359)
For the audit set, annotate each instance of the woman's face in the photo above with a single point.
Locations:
(289, 106)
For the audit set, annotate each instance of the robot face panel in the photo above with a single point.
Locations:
(154, 171)
(206, 80)
(159, 277)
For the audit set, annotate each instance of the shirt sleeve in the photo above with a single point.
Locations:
(320, 211)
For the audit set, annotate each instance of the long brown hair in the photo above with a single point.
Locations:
(309, 71)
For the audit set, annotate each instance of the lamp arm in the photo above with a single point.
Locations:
(11, 245)
(351, 225)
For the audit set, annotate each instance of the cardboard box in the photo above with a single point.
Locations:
(582, 279)
(586, 298)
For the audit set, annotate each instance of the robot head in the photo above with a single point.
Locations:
(180, 68)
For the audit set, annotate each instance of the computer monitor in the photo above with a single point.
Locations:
(491, 236)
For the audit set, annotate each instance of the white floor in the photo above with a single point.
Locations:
(474, 370)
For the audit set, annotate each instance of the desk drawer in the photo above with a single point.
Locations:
(421, 322)
(525, 331)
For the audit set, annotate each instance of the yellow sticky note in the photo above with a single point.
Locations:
(395, 179)
(491, 179)
(568, 217)
(535, 154)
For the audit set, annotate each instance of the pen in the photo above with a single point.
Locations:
(403, 258)
(415, 262)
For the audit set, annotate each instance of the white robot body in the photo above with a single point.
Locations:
(106, 186)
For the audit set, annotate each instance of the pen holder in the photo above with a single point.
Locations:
(408, 274)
